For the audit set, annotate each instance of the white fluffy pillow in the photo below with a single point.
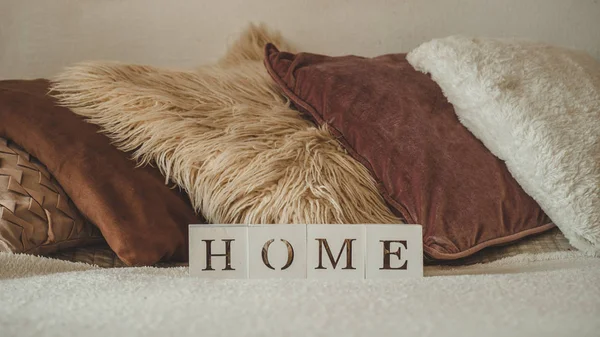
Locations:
(537, 107)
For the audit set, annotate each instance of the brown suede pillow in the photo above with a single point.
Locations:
(141, 218)
(430, 169)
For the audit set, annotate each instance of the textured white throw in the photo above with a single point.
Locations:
(44, 297)
(537, 107)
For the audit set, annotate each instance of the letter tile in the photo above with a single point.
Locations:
(277, 251)
(335, 251)
(394, 251)
(218, 251)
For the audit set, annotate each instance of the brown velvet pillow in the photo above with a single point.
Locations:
(141, 218)
(36, 216)
(430, 169)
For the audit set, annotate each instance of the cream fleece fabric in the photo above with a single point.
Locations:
(227, 135)
(168, 302)
(537, 107)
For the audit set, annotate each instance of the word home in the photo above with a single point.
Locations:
(306, 251)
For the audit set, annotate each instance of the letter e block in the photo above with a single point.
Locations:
(394, 251)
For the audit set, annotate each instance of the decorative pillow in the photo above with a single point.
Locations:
(227, 135)
(537, 107)
(36, 216)
(397, 123)
(141, 218)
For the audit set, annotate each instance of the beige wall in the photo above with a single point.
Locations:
(38, 37)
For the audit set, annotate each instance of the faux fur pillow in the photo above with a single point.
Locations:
(228, 136)
(537, 107)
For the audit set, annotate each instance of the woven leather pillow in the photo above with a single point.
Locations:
(142, 219)
(429, 168)
(36, 216)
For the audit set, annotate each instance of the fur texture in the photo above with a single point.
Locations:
(250, 45)
(537, 107)
(228, 137)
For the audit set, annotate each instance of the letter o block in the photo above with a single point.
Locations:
(277, 251)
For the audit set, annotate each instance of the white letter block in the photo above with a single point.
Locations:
(306, 251)
(218, 251)
(277, 251)
(335, 251)
(394, 251)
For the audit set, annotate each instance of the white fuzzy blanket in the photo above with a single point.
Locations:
(43, 297)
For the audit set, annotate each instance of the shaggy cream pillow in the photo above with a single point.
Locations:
(538, 108)
(228, 136)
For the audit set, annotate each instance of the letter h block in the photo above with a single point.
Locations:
(221, 252)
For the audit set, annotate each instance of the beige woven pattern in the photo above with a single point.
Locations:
(102, 256)
(36, 216)
(547, 242)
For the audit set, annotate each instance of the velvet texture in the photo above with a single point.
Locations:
(142, 219)
(430, 169)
